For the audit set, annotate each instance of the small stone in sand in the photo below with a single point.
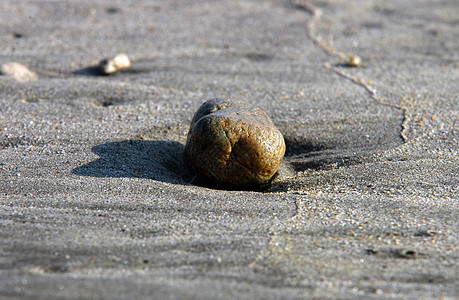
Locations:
(17, 71)
(114, 64)
(233, 143)
(354, 61)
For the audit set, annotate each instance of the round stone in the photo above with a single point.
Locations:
(111, 65)
(233, 143)
(18, 71)
(354, 61)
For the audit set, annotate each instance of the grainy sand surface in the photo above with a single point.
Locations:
(96, 202)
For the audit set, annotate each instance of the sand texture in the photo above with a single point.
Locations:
(95, 198)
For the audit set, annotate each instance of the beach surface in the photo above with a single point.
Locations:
(96, 202)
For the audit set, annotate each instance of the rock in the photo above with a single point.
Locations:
(18, 72)
(233, 143)
(114, 64)
(354, 61)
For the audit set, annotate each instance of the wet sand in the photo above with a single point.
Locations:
(96, 202)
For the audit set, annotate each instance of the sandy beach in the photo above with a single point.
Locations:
(97, 203)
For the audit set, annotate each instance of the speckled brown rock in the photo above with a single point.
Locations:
(233, 143)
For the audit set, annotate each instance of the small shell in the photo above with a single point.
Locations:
(17, 71)
(354, 61)
(114, 64)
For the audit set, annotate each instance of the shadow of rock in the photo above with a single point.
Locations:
(96, 72)
(89, 71)
(347, 66)
(157, 160)
(302, 155)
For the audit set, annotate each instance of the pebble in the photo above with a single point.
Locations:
(111, 65)
(354, 61)
(233, 143)
(18, 71)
